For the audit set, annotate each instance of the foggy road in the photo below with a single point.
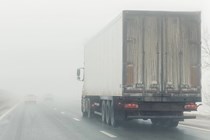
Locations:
(149, 58)
(56, 121)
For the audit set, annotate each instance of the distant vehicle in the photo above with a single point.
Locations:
(144, 65)
(30, 98)
(49, 97)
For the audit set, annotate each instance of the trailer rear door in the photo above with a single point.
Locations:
(181, 60)
(162, 53)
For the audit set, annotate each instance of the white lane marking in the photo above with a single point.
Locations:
(193, 127)
(76, 119)
(8, 111)
(108, 134)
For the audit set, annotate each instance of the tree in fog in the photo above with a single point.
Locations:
(206, 62)
(206, 49)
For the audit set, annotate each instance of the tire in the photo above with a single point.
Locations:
(173, 124)
(170, 123)
(103, 111)
(155, 122)
(108, 114)
(89, 111)
(113, 120)
(165, 123)
(159, 122)
(84, 113)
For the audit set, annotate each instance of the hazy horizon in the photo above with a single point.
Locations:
(41, 42)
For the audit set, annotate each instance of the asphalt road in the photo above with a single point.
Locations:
(62, 121)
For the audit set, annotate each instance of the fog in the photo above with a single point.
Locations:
(41, 41)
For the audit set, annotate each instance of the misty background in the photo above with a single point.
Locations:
(41, 41)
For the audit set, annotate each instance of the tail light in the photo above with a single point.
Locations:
(190, 106)
(131, 106)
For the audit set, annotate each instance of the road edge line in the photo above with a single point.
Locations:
(193, 127)
(76, 119)
(108, 134)
(8, 111)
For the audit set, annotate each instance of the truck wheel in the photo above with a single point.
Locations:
(169, 123)
(113, 115)
(89, 111)
(84, 113)
(173, 124)
(165, 123)
(103, 111)
(108, 110)
(159, 122)
(155, 122)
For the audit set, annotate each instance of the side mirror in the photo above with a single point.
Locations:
(80, 74)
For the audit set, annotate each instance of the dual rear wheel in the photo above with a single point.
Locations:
(165, 122)
(108, 115)
(86, 108)
(108, 112)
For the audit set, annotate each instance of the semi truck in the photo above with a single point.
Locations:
(143, 65)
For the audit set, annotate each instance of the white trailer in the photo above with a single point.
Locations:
(144, 65)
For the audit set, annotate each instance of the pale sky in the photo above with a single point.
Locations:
(41, 41)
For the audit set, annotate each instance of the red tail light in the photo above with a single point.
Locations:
(190, 106)
(131, 106)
